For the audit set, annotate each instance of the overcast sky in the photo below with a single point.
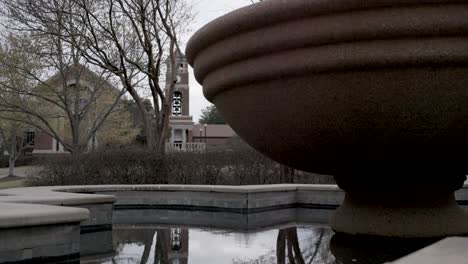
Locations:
(207, 10)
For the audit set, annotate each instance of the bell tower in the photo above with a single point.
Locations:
(181, 101)
(180, 121)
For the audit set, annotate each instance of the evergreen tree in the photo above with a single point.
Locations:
(210, 115)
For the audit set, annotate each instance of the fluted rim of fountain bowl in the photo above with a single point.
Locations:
(276, 11)
(357, 56)
(364, 25)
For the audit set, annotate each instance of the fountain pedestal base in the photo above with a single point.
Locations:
(400, 214)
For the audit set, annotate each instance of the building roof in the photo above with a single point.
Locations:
(221, 131)
(85, 77)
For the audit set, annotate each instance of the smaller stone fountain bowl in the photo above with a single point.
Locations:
(372, 92)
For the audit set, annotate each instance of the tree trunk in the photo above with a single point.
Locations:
(12, 153)
(161, 140)
(162, 124)
(281, 247)
(160, 253)
(93, 143)
(317, 246)
(150, 133)
(75, 129)
(11, 167)
(293, 241)
(148, 242)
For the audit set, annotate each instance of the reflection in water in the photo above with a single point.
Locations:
(314, 250)
(161, 246)
(294, 245)
(291, 245)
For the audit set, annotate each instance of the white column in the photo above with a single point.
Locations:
(184, 136)
(184, 139)
(54, 144)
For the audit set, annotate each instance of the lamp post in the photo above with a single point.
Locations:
(205, 132)
(200, 135)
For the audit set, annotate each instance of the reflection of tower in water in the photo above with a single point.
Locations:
(177, 247)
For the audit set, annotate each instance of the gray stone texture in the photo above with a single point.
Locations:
(25, 243)
(320, 197)
(375, 93)
(209, 199)
(271, 199)
(99, 214)
(20, 215)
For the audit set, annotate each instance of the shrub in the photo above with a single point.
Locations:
(103, 167)
(23, 160)
(135, 166)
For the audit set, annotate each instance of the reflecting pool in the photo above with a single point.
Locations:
(286, 236)
(138, 244)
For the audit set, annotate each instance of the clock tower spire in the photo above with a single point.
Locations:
(180, 121)
(181, 96)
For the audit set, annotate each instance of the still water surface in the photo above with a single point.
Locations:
(302, 244)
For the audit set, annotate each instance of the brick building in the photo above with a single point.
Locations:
(85, 82)
(184, 133)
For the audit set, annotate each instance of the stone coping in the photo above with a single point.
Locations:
(38, 206)
(30, 206)
(21, 215)
(47, 206)
(201, 188)
(34, 206)
(52, 196)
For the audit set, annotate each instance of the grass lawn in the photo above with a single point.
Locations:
(13, 182)
(7, 182)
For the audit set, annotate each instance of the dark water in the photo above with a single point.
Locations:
(291, 244)
(285, 236)
(305, 244)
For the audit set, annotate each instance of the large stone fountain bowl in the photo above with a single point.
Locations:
(373, 92)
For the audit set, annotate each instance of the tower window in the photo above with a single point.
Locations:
(82, 103)
(177, 104)
(181, 66)
(30, 138)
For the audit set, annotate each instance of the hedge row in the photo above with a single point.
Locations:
(240, 167)
(21, 161)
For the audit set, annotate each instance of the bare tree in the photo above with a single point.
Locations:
(130, 39)
(288, 241)
(12, 133)
(134, 39)
(15, 141)
(59, 96)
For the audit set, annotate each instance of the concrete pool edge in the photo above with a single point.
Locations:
(88, 208)
(84, 210)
